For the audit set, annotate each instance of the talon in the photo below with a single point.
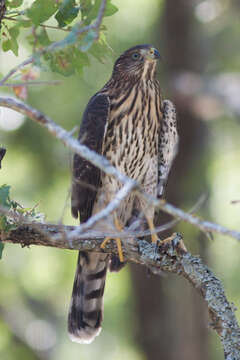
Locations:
(155, 238)
(105, 241)
(119, 246)
(120, 252)
(169, 239)
(177, 243)
(118, 240)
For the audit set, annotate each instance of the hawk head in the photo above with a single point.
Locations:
(137, 62)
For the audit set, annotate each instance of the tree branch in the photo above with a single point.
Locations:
(31, 83)
(169, 257)
(103, 164)
(2, 10)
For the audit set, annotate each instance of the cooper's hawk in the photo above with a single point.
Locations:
(129, 124)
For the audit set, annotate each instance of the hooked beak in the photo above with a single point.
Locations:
(155, 54)
(152, 54)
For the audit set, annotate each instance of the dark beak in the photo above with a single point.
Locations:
(156, 54)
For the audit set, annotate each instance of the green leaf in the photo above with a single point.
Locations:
(79, 60)
(10, 41)
(4, 196)
(68, 61)
(100, 49)
(43, 38)
(1, 249)
(110, 9)
(88, 40)
(67, 12)
(24, 23)
(42, 10)
(39, 39)
(4, 225)
(14, 3)
(6, 203)
(61, 61)
(86, 6)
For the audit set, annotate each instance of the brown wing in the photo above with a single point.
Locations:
(168, 145)
(87, 177)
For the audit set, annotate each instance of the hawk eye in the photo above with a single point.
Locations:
(135, 56)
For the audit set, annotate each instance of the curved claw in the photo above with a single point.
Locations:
(119, 246)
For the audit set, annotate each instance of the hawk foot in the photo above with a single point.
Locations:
(174, 240)
(119, 227)
(119, 246)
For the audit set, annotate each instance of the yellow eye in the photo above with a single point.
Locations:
(151, 51)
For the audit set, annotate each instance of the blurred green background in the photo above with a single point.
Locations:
(146, 317)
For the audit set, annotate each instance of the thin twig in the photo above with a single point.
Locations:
(205, 226)
(114, 204)
(32, 83)
(42, 25)
(64, 136)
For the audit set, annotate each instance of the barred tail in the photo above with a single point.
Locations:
(86, 308)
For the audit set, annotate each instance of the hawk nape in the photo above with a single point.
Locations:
(128, 122)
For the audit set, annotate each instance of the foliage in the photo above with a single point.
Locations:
(43, 18)
(16, 213)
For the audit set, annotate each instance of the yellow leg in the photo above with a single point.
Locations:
(118, 240)
(152, 228)
(171, 238)
(105, 241)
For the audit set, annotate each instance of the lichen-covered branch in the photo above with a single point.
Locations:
(170, 257)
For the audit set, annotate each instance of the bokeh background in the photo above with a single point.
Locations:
(146, 317)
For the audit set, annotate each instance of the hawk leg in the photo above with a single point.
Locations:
(169, 241)
(154, 236)
(166, 242)
(119, 227)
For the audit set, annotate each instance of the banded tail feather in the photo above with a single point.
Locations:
(86, 307)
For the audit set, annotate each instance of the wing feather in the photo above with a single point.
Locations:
(86, 176)
(168, 145)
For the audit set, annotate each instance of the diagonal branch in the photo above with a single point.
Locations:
(169, 258)
(31, 83)
(103, 164)
(61, 134)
